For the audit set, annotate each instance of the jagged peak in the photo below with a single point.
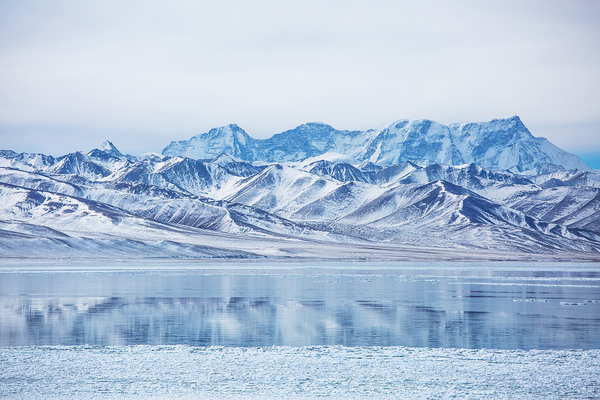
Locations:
(151, 156)
(233, 127)
(105, 148)
(469, 166)
(449, 187)
(321, 164)
(228, 132)
(8, 154)
(516, 118)
(514, 121)
(226, 129)
(218, 131)
(108, 146)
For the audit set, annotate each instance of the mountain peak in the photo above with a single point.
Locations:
(106, 148)
(230, 139)
(512, 122)
(227, 128)
(515, 118)
(311, 127)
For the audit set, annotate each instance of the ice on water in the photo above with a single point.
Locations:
(329, 372)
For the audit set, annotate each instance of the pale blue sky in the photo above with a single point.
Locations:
(143, 73)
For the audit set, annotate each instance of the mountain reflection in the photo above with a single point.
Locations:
(240, 321)
(298, 310)
(235, 321)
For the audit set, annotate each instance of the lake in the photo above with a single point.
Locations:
(163, 329)
(498, 305)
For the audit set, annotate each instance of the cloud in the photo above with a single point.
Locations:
(74, 73)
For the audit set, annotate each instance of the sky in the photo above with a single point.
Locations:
(143, 73)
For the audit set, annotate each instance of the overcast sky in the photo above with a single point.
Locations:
(143, 73)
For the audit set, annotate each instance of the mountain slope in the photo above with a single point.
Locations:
(575, 207)
(310, 140)
(281, 190)
(507, 143)
(230, 139)
(420, 141)
(164, 206)
(42, 224)
(441, 214)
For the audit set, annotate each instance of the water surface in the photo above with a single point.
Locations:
(477, 305)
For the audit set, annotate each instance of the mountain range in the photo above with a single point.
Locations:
(498, 144)
(411, 190)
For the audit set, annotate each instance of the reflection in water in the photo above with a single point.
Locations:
(300, 309)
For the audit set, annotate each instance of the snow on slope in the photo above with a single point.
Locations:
(280, 189)
(505, 143)
(230, 139)
(418, 213)
(25, 161)
(173, 207)
(42, 224)
(32, 180)
(63, 212)
(577, 207)
(436, 203)
(356, 209)
(567, 178)
(39, 243)
(335, 204)
(340, 171)
(311, 140)
(405, 140)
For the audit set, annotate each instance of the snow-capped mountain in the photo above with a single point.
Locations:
(500, 144)
(230, 139)
(310, 140)
(412, 189)
(25, 161)
(506, 144)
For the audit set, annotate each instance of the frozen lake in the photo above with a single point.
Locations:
(305, 330)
